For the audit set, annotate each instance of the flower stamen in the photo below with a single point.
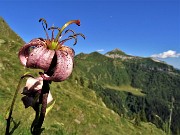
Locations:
(64, 26)
(44, 22)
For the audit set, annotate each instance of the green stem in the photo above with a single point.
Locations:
(13, 102)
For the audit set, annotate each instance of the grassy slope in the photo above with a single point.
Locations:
(134, 91)
(77, 108)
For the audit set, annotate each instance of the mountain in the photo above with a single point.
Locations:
(117, 53)
(104, 95)
(132, 85)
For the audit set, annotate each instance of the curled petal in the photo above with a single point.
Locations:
(64, 65)
(24, 51)
(40, 57)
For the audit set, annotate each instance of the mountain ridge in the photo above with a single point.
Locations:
(117, 53)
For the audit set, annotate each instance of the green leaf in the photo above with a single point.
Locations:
(50, 107)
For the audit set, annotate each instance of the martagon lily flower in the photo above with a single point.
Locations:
(51, 55)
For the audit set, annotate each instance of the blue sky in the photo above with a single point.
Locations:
(138, 27)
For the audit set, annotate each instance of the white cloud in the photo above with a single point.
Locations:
(100, 50)
(167, 54)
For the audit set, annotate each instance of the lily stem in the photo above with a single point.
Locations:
(13, 102)
(43, 99)
(11, 109)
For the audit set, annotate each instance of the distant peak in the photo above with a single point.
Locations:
(116, 51)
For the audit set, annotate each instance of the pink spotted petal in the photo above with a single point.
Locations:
(64, 65)
(40, 57)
